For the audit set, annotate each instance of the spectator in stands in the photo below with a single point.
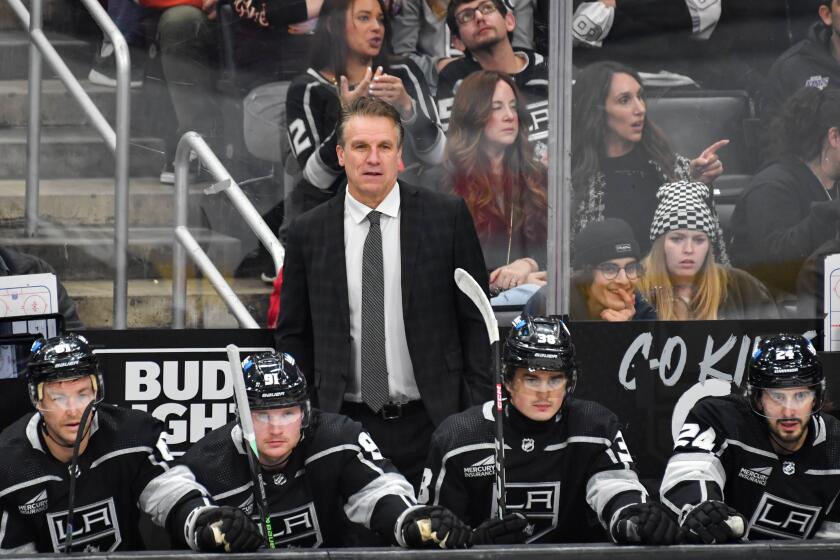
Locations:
(485, 28)
(191, 53)
(682, 279)
(792, 206)
(606, 274)
(813, 62)
(15, 263)
(128, 16)
(491, 165)
(420, 33)
(620, 158)
(350, 60)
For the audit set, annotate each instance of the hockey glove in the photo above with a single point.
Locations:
(645, 523)
(711, 522)
(508, 530)
(224, 528)
(433, 527)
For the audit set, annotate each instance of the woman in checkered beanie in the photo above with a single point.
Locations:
(682, 279)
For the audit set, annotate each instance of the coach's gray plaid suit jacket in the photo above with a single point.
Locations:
(446, 336)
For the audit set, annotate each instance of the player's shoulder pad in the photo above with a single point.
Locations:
(15, 434)
(127, 427)
(473, 425)
(589, 418)
(327, 429)
(216, 452)
(726, 414)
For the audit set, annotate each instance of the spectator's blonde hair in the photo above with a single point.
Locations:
(656, 286)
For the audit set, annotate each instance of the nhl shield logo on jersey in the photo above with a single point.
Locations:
(279, 479)
(95, 527)
(527, 445)
(783, 518)
(788, 467)
(538, 501)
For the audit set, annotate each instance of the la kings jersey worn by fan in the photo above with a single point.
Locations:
(312, 111)
(124, 465)
(532, 81)
(336, 467)
(553, 470)
(723, 453)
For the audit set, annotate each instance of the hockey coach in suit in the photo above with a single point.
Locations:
(368, 301)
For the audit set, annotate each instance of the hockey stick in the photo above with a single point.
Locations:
(74, 467)
(243, 411)
(472, 290)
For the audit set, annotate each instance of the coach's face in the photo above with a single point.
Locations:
(370, 153)
(537, 394)
(277, 431)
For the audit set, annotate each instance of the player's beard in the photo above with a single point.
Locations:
(788, 441)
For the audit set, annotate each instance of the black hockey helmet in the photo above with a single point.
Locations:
(540, 343)
(62, 358)
(781, 361)
(273, 380)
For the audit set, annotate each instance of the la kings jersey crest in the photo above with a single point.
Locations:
(724, 448)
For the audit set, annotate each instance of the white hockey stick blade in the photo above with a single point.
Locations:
(239, 394)
(472, 290)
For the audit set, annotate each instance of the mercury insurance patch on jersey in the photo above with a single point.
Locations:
(95, 528)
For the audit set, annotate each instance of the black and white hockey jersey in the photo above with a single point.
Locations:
(312, 111)
(724, 453)
(335, 473)
(557, 473)
(532, 81)
(125, 465)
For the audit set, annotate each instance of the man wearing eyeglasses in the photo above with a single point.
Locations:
(324, 476)
(485, 28)
(765, 465)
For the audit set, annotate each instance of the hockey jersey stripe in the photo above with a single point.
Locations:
(119, 452)
(233, 492)
(823, 472)
(359, 507)
(164, 491)
(24, 548)
(602, 487)
(33, 482)
(745, 447)
(318, 173)
(579, 439)
(828, 530)
(336, 449)
(693, 467)
(454, 452)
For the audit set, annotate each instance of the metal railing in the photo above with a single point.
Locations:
(186, 243)
(116, 140)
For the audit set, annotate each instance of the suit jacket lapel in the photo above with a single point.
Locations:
(334, 247)
(411, 213)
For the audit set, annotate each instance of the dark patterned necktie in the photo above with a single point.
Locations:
(374, 369)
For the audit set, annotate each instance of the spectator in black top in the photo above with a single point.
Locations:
(620, 158)
(350, 59)
(791, 206)
(607, 270)
(15, 263)
(485, 27)
(813, 62)
(491, 166)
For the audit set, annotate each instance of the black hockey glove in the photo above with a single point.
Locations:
(711, 522)
(225, 528)
(646, 523)
(434, 527)
(508, 530)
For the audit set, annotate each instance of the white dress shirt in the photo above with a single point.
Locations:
(401, 381)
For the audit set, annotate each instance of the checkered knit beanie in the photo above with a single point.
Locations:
(683, 205)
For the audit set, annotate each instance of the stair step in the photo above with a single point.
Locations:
(75, 202)
(14, 54)
(150, 302)
(58, 107)
(87, 253)
(71, 151)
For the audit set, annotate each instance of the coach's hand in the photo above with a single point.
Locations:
(508, 530)
(434, 527)
(646, 523)
(224, 528)
(711, 522)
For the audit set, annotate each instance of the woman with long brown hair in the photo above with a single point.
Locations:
(620, 158)
(491, 165)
